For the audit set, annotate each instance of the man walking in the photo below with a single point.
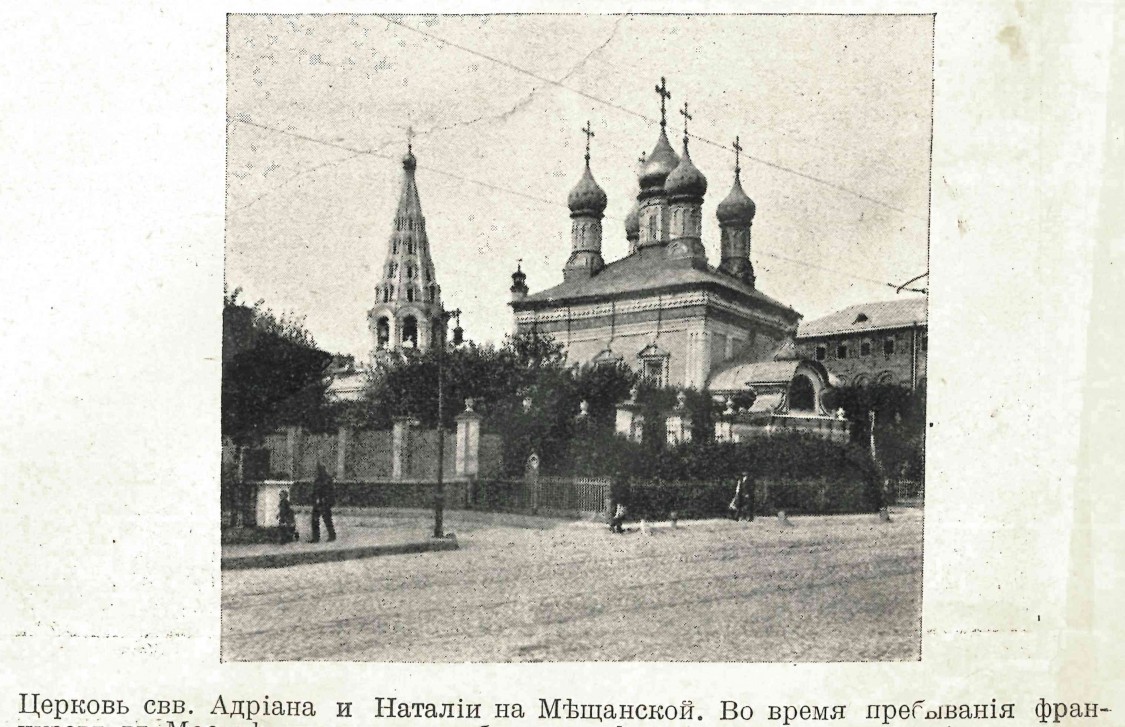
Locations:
(742, 504)
(323, 497)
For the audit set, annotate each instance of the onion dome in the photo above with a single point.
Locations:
(658, 165)
(587, 196)
(633, 222)
(686, 181)
(737, 208)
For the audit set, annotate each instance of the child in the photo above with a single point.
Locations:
(617, 519)
(286, 519)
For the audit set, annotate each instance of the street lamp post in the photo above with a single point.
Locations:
(439, 490)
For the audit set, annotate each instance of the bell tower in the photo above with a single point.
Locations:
(407, 314)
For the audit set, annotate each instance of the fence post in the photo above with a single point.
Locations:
(291, 451)
(400, 434)
(341, 453)
(467, 457)
(531, 476)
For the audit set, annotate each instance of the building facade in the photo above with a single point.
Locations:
(662, 309)
(871, 343)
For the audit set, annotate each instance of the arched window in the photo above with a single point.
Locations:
(652, 236)
(393, 270)
(410, 295)
(394, 247)
(410, 272)
(382, 333)
(409, 332)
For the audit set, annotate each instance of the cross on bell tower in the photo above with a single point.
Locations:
(589, 135)
(665, 94)
(737, 149)
(409, 139)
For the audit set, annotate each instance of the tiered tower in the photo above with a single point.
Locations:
(408, 312)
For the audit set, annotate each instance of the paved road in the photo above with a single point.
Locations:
(843, 588)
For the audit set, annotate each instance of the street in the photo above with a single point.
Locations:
(839, 588)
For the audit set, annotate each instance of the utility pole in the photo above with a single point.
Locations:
(439, 490)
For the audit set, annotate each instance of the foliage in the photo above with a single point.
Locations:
(900, 424)
(273, 374)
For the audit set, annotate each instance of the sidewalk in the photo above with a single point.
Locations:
(356, 537)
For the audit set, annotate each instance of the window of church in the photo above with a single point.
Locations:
(821, 353)
(392, 270)
(652, 235)
(394, 247)
(410, 247)
(410, 295)
(410, 271)
(889, 347)
(842, 351)
(865, 348)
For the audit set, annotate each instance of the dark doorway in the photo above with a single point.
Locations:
(802, 395)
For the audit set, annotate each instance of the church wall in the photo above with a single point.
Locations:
(699, 339)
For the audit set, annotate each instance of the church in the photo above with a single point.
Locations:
(663, 309)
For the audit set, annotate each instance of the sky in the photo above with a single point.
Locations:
(833, 114)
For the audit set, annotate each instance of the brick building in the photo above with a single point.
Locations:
(883, 342)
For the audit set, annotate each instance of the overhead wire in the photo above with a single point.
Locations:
(525, 195)
(645, 117)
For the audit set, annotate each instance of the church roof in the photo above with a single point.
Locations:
(900, 313)
(645, 271)
(737, 375)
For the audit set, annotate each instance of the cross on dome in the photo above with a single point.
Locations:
(687, 118)
(410, 139)
(737, 150)
(589, 135)
(665, 94)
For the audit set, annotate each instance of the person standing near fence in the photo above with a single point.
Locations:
(742, 504)
(323, 498)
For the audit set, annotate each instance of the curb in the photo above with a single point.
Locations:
(284, 560)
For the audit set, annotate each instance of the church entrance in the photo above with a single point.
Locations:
(802, 395)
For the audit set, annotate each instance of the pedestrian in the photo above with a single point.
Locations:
(324, 497)
(742, 504)
(286, 520)
(615, 523)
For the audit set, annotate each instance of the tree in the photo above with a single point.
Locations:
(273, 373)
